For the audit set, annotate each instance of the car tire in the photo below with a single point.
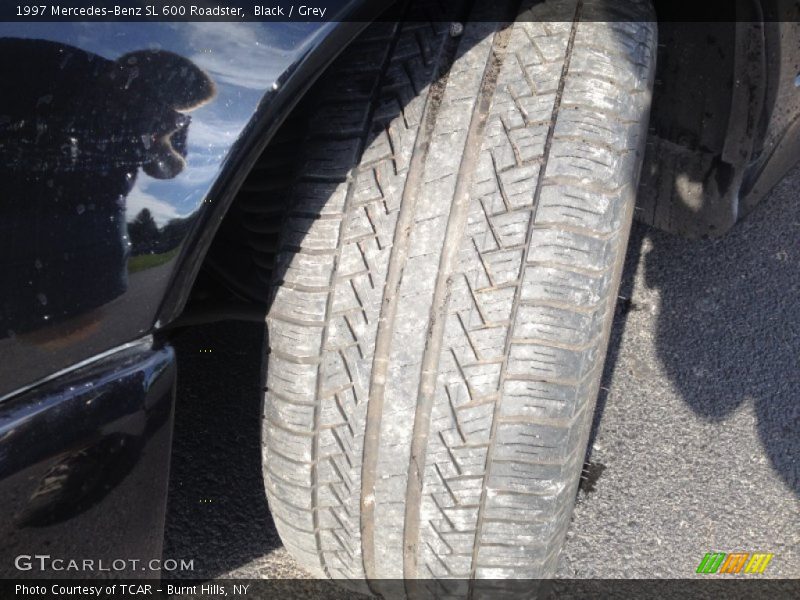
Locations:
(444, 289)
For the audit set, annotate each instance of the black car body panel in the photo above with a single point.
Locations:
(153, 124)
(84, 463)
(121, 147)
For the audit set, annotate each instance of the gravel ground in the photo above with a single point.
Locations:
(696, 443)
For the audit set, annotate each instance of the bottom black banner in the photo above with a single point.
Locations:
(74, 589)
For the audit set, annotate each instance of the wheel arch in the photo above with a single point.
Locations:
(273, 109)
(725, 109)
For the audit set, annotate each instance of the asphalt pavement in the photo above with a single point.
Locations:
(696, 440)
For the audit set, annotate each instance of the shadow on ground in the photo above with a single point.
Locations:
(217, 511)
(728, 327)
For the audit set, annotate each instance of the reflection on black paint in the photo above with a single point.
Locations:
(74, 130)
(84, 461)
(82, 475)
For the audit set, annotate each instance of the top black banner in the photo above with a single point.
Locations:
(287, 11)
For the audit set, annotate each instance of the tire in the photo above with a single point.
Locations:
(444, 291)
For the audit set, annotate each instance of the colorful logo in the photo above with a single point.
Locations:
(736, 562)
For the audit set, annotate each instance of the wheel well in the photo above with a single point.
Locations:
(723, 110)
(683, 171)
(234, 279)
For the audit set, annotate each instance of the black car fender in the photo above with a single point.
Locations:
(136, 138)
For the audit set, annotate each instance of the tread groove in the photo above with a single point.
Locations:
(536, 196)
(413, 181)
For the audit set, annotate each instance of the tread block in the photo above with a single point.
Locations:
(541, 283)
(548, 362)
(557, 325)
(577, 250)
(537, 399)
